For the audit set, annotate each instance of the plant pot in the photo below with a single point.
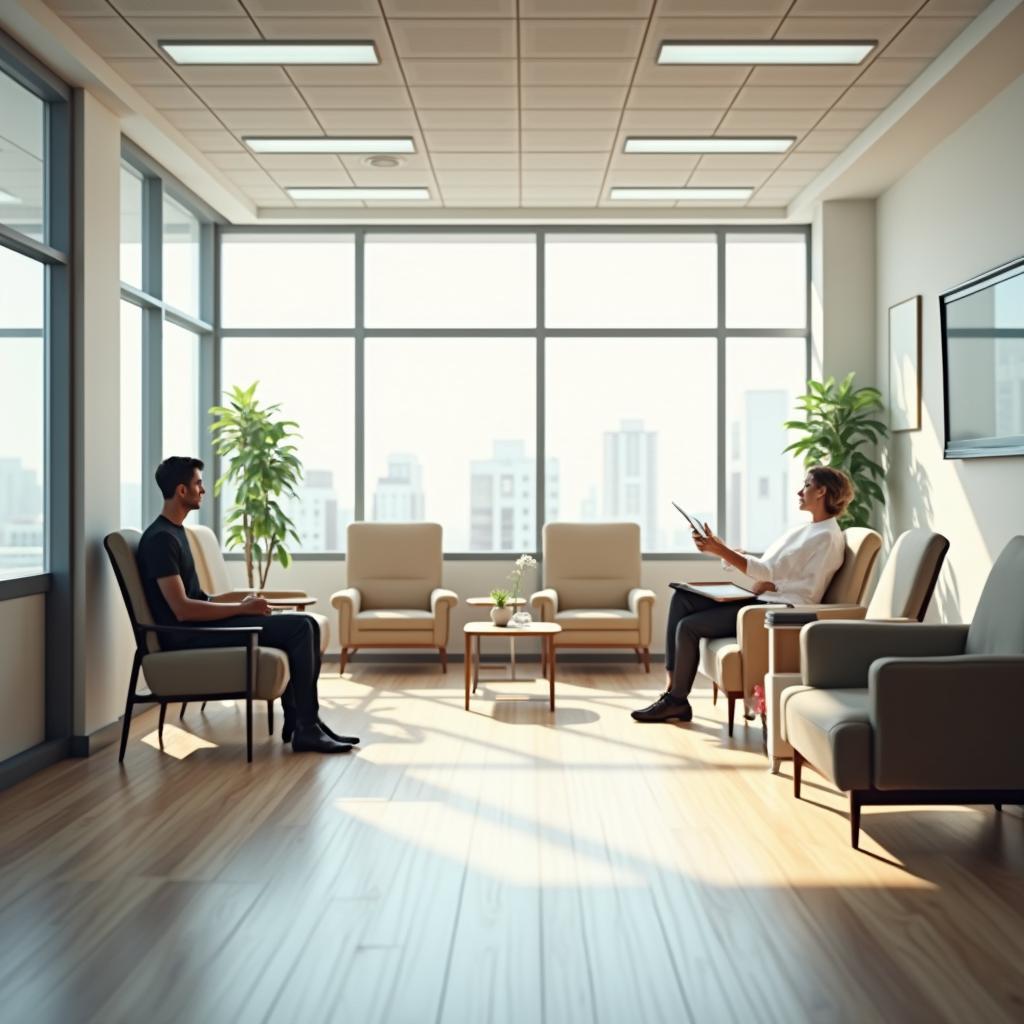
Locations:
(501, 616)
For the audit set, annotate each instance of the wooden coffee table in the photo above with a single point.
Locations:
(475, 630)
(488, 602)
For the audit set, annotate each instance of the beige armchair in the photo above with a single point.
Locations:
(247, 672)
(213, 578)
(734, 665)
(592, 587)
(394, 596)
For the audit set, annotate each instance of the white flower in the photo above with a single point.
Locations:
(524, 562)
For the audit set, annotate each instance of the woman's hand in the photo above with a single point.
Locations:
(708, 544)
(762, 587)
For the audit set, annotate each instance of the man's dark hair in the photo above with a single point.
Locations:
(178, 469)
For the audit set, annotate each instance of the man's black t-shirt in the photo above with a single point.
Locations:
(164, 551)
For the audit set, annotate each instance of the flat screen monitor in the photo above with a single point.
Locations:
(983, 364)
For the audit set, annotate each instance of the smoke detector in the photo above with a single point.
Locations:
(382, 161)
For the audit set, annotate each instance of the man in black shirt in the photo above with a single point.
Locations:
(172, 588)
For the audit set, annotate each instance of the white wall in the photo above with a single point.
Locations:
(959, 212)
(22, 674)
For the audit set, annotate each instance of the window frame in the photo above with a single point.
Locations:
(360, 333)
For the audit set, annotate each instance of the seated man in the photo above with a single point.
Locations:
(175, 597)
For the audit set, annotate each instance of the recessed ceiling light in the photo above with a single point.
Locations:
(329, 144)
(764, 52)
(359, 193)
(6, 197)
(626, 192)
(263, 52)
(382, 161)
(718, 144)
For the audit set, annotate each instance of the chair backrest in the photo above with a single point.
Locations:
(122, 549)
(909, 576)
(851, 579)
(998, 625)
(394, 565)
(210, 567)
(592, 565)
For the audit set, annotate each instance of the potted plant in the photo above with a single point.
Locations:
(840, 424)
(502, 610)
(263, 471)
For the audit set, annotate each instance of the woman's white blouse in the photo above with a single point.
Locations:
(800, 563)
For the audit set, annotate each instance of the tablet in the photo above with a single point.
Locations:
(694, 525)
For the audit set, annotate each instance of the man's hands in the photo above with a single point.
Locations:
(253, 604)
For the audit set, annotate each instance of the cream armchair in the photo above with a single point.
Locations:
(213, 578)
(734, 665)
(247, 672)
(394, 596)
(592, 587)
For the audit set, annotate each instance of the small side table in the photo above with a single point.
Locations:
(488, 602)
(473, 632)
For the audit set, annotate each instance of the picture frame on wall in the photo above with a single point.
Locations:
(905, 365)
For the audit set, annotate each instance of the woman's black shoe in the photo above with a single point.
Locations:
(334, 736)
(288, 728)
(312, 739)
(664, 709)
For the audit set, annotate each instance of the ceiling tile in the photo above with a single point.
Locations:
(156, 29)
(299, 161)
(109, 37)
(808, 161)
(438, 38)
(558, 142)
(469, 120)
(881, 30)
(723, 8)
(967, 8)
(313, 8)
(478, 179)
(214, 142)
(472, 142)
(557, 97)
(570, 179)
(461, 72)
(869, 97)
(668, 177)
(686, 97)
(328, 28)
(585, 8)
(864, 8)
(336, 178)
(825, 141)
(886, 71)
(671, 122)
(564, 161)
(251, 97)
(442, 97)
(741, 161)
(811, 76)
(242, 75)
(449, 8)
(777, 193)
(365, 97)
(264, 194)
(678, 163)
(388, 73)
(179, 8)
(559, 194)
(234, 161)
(368, 122)
(798, 178)
(581, 38)
(548, 120)
(251, 178)
(577, 72)
(171, 97)
(713, 178)
(475, 161)
(673, 75)
(926, 37)
(482, 197)
(262, 122)
(392, 177)
(770, 97)
(409, 162)
(768, 122)
(847, 120)
(193, 120)
(145, 72)
(72, 7)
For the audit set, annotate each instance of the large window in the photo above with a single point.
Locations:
(166, 295)
(492, 380)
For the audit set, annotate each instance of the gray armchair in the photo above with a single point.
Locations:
(900, 714)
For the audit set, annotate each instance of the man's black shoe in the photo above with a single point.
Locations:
(324, 727)
(664, 709)
(313, 739)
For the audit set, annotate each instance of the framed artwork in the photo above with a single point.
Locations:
(905, 365)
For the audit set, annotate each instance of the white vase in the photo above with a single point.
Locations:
(500, 616)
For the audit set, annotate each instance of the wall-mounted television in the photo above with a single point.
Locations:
(983, 364)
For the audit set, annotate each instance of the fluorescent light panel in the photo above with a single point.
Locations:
(627, 192)
(359, 193)
(330, 144)
(263, 52)
(7, 198)
(764, 52)
(719, 144)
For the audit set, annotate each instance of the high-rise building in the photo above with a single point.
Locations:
(398, 497)
(315, 512)
(503, 498)
(631, 478)
(21, 497)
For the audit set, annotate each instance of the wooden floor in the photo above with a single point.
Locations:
(498, 865)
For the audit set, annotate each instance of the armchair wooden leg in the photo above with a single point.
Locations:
(443, 651)
(647, 659)
(163, 715)
(344, 661)
(639, 656)
(270, 717)
(732, 711)
(798, 764)
(129, 704)
(181, 710)
(714, 693)
(998, 807)
(855, 819)
(203, 708)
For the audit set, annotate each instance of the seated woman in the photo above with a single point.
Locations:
(795, 570)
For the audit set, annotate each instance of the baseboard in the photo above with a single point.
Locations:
(18, 768)
(427, 658)
(85, 746)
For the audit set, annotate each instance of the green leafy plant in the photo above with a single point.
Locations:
(839, 424)
(263, 470)
(500, 598)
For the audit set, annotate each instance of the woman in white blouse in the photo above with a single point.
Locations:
(795, 570)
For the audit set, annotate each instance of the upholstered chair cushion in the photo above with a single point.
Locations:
(592, 565)
(908, 578)
(214, 670)
(123, 546)
(850, 582)
(210, 566)
(394, 565)
(998, 624)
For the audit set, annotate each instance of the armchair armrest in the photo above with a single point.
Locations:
(348, 603)
(442, 601)
(942, 722)
(546, 602)
(641, 603)
(234, 596)
(839, 654)
(199, 630)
